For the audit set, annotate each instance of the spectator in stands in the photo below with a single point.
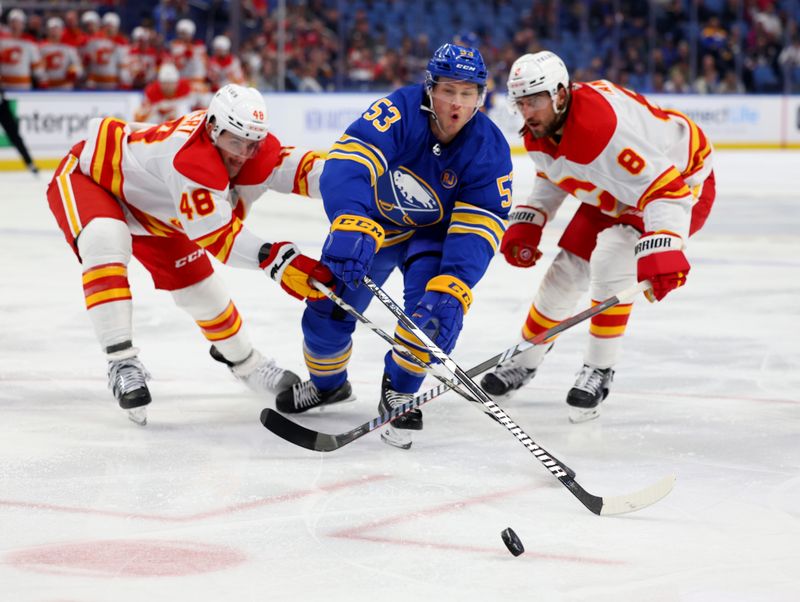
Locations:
(143, 58)
(166, 98)
(105, 57)
(730, 84)
(708, 80)
(73, 34)
(21, 62)
(189, 54)
(90, 22)
(223, 67)
(360, 63)
(789, 60)
(676, 84)
(61, 66)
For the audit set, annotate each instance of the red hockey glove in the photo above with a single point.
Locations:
(285, 264)
(520, 244)
(660, 259)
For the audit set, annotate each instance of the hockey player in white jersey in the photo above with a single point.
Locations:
(645, 181)
(168, 195)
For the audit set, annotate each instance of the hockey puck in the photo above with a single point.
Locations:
(512, 541)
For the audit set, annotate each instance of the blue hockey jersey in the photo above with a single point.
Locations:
(390, 167)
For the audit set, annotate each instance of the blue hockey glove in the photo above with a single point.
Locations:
(350, 247)
(440, 312)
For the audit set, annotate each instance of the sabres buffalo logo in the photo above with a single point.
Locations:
(408, 200)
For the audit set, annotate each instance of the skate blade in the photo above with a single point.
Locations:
(399, 438)
(138, 415)
(578, 415)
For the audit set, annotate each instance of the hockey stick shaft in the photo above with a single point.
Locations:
(406, 353)
(318, 441)
(555, 466)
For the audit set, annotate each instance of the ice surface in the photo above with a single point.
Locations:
(204, 504)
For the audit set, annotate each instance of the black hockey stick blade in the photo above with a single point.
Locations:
(295, 433)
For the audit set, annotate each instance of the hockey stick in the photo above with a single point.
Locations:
(387, 337)
(317, 441)
(596, 504)
(324, 442)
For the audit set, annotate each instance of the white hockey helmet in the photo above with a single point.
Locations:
(17, 14)
(90, 16)
(139, 33)
(539, 72)
(222, 43)
(168, 74)
(55, 23)
(111, 20)
(186, 26)
(240, 111)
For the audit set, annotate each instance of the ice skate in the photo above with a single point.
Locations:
(507, 378)
(259, 374)
(305, 396)
(398, 432)
(127, 381)
(591, 387)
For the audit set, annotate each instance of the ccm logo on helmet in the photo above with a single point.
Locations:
(465, 67)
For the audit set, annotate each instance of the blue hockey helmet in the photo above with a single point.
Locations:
(456, 62)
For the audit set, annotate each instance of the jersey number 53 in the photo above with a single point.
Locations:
(382, 114)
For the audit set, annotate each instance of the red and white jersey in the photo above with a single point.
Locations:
(625, 155)
(106, 63)
(61, 66)
(143, 65)
(20, 62)
(157, 107)
(191, 59)
(225, 70)
(171, 180)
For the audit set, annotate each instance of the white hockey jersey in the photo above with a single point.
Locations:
(106, 62)
(171, 180)
(191, 59)
(61, 66)
(20, 62)
(623, 155)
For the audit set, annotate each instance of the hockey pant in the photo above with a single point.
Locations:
(327, 329)
(94, 225)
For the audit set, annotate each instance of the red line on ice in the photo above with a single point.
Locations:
(276, 499)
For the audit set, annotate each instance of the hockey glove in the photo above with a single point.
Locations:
(660, 259)
(350, 247)
(440, 312)
(520, 244)
(285, 264)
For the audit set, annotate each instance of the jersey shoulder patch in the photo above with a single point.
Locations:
(258, 168)
(199, 161)
(589, 127)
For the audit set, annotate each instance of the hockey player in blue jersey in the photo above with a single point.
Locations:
(420, 182)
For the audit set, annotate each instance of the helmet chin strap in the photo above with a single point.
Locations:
(429, 109)
(561, 115)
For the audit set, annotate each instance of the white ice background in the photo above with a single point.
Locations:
(204, 504)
